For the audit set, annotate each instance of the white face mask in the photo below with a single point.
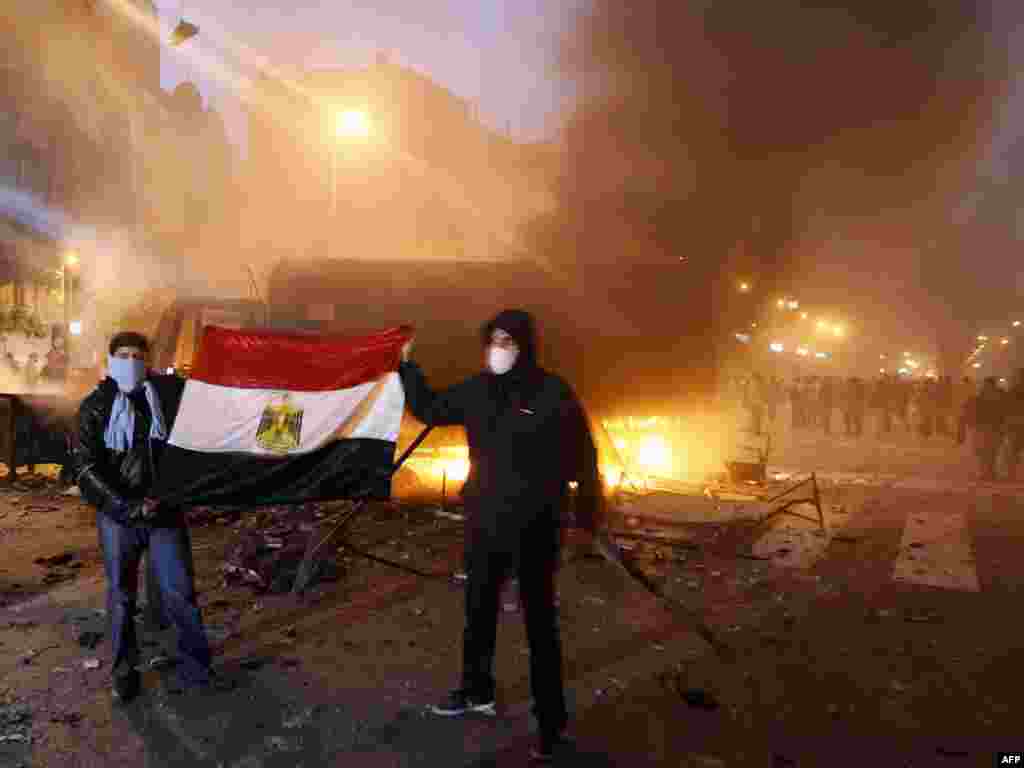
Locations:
(501, 360)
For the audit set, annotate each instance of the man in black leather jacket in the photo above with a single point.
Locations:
(528, 439)
(122, 427)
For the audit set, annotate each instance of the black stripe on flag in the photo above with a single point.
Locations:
(343, 469)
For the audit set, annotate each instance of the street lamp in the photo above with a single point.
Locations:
(349, 125)
(352, 124)
(744, 287)
(70, 261)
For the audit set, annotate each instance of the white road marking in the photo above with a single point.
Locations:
(936, 549)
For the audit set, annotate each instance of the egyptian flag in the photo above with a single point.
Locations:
(273, 417)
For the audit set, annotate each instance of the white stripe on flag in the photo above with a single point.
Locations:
(216, 419)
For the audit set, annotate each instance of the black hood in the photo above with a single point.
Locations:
(518, 324)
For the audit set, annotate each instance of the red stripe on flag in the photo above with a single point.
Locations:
(295, 360)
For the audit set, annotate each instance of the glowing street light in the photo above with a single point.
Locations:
(744, 287)
(983, 338)
(777, 346)
(802, 351)
(352, 124)
(803, 315)
(793, 304)
(349, 125)
(837, 330)
(781, 303)
(1004, 342)
(1016, 323)
(821, 355)
(71, 260)
(976, 365)
(822, 325)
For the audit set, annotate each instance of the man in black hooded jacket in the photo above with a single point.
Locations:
(528, 439)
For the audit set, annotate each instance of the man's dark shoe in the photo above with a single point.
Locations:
(126, 687)
(462, 702)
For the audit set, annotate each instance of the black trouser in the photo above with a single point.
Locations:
(488, 569)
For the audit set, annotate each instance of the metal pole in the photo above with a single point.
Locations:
(65, 284)
(334, 184)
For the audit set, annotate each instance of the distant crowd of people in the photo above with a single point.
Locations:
(942, 407)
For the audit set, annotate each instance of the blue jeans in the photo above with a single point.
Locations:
(170, 554)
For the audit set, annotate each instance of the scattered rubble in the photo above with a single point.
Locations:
(67, 718)
(90, 639)
(700, 698)
(267, 554)
(15, 723)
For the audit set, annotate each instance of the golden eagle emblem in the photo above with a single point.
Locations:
(280, 427)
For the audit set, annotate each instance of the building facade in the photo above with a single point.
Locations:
(95, 157)
(428, 182)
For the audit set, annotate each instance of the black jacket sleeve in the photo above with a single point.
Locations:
(169, 388)
(583, 465)
(439, 409)
(94, 479)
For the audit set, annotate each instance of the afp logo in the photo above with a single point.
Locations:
(1010, 758)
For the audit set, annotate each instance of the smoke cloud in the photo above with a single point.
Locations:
(712, 139)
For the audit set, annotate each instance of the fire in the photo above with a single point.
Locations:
(456, 470)
(654, 454)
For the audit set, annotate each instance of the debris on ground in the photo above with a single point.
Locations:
(67, 718)
(446, 515)
(90, 639)
(267, 557)
(700, 698)
(923, 618)
(15, 723)
(57, 577)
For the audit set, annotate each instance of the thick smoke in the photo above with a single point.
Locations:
(709, 134)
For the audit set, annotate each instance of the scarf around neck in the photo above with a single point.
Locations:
(120, 431)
